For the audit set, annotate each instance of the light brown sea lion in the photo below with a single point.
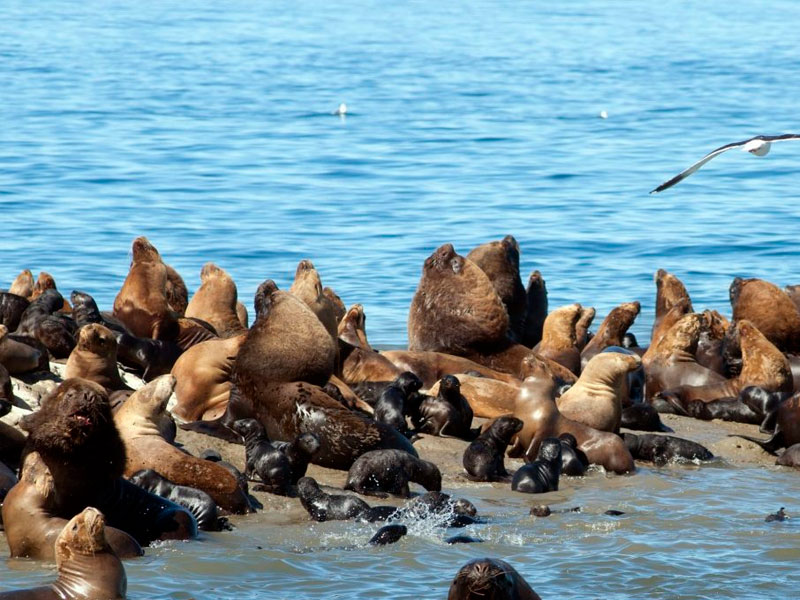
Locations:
(88, 567)
(16, 356)
(141, 303)
(669, 292)
(430, 367)
(23, 284)
(679, 310)
(536, 407)
(176, 292)
(582, 327)
(671, 361)
(559, 337)
(611, 330)
(241, 313)
(215, 301)
(489, 398)
(500, 261)
(770, 309)
(339, 309)
(44, 282)
(139, 422)
(95, 358)
(490, 579)
(203, 378)
(793, 291)
(358, 361)
(536, 309)
(596, 398)
(307, 286)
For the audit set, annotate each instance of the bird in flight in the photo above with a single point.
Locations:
(758, 145)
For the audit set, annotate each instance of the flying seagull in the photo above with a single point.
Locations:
(758, 145)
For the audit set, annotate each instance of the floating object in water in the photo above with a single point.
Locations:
(758, 145)
(342, 110)
(603, 114)
(614, 513)
(778, 516)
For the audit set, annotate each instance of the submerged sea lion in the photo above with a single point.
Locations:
(490, 579)
(769, 309)
(322, 506)
(611, 330)
(95, 358)
(216, 300)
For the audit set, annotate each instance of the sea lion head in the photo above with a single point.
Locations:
(534, 367)
(308, 443)
(550, 450)
(449, 387)
(150, 402)
(23, 284)
(487, 579)
(683, 336)
(560, 326)
(83, 534)
(506, 428)
(263, 297)
(669, 291)
(408, 382)
(44, 282)
(144, 251)
(352, 328)
(97, 339)
(569, 440)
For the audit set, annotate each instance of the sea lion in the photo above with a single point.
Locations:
(541, 475)
(490, 579)
(769, 309)
(536, 408)
(176, 292)
(669, 320)
(483, 458)
(611, 330)
(790, 457)
(448, 414)
(670, 292)
(388, 534)
(573, 461)
(299, 454)
(203, 378)
(95, 358)
(398, 400)
(642, 417)
(379, 472)
(85, 311)
(215, 301)
(141, 421)
(710, 342)
(430, 367)
(57, 333)
(11, 309)
(487, 397)
(39, 309)
(15, 356)
(559, 337)
(582, 335)
(500, 261)
(322, 506)
(787, 426)
(200, 504)
(661, 449)
(536, 309)
(358, 361)
(23, 284)
(793, 291)
(262, 459)
(88, 568)
(633, 391)
(338, 306)
(308, 287)
(596, 399)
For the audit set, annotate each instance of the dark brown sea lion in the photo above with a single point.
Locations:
(710, 342)
(430, 367)
(39, 309)
(582, 335)
(58, 334)
(140, 422)
(447, 414)
(559, 341)
(322, 506)
(536, 309)
(23, 285)
(307, 286)
(88, 567)
(176, 292)
(11, 308)
(490, 579)
(215, 301)
(500, 261)
(670, 291)
(787, 426)
(85, 311)
(380, 472)
(596, 398)
(15, 356)
(611, 330)
(483, 458)
(339, 309)
(661, 449)
(203, 378)
(95, 358)
(770, 309)
(541, 475)
(262, 459)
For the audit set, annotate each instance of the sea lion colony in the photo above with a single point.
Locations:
(313, 389)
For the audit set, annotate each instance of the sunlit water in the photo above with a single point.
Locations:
(209, 128)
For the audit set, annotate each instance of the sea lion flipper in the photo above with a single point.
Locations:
(769, 445)
(770, 422)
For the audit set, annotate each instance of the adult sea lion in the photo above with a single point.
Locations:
(487, 397)
(536, 309)
(308, 287)
(559, 339)
(670, 292)
(611, 330)
(358, 361)
(490, 579)
(176, 292)
(769, 309)
(23, 284)
(582, 335)
(215, 301)
(430, 367)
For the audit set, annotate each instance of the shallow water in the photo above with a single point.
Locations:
(208, 128)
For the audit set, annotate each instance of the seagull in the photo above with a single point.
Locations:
(758, 145)
(342, 110)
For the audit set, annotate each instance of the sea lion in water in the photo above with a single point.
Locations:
(388, 534)
(389, 471)
(541, 475)
(500, 261)
(448, 414)
(660, 449)
(322, 506)
(670, 292)
(140, 422)
(216, 300)
(559, 339)
(611, 330)
(769, 309)
(95, 358)
(490, 579)
(483, 458)
(88, 568)
(596, 399)
(308, 287)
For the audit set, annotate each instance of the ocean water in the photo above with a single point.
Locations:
(208, 127)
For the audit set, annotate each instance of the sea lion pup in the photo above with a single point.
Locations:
(596, 399)
(537, 409)
(770, 309)
(299, 454)
(670, 291)
(500, 261)
(95, 358)
(15, 356)
(661, 449)
(262, 459)
(11, 309)
(642, 417)
(203, 378)
(215, 301)
(75, 436)
(573, 461)
(398, 400)
(38, 310)
(541, 475)
(85, 311)
(582, 335)
(490, 579)
(381, 472)
(358, 361)
(671, 361)
(88, 568)
(141, 422)
(388, 534)
(536, 309)
(487, 397)
(448, 414)
(559, 337)
(611, 330)
(200, 504)
(430, 367)
(308, 287)
(58, 334)
(23, 284)
(322, 506)
(483, 458)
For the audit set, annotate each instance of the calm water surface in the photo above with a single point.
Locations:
(208, 128)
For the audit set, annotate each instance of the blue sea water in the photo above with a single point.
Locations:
(208, 127)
